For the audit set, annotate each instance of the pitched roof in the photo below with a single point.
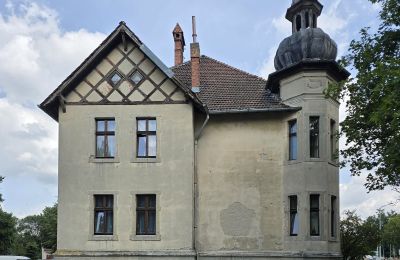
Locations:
(51, 104)
(225, 89)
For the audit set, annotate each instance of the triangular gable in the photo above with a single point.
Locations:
(122, 70)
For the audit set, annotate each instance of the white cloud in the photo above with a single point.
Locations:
(36, 57)
(354, 197)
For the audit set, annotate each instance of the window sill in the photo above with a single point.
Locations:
(292, 162)
(103, 238)
(146, 160)
(93, 159)
(146, 237)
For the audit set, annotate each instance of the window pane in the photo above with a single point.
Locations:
(152, 125)
(141, 201)
(152, 145)
(111, 146)
(98, 201)
(314, 201)
(109, 201)
(100, 146)
(152, 201)
(100, 125)
(293, 127)
(314, 223)
(314, 137)
(99, 222)
(293, 202)
(294, 224)
(109, 226)
(293, 148)
(152, 223)
(140, 222)
(110, 125)
(141, 146)
(141, 124)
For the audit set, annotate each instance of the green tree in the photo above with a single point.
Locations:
(7, 232)
(372, 125)
(27, 241)
(358, 238)
(391, 232)
(48, 227)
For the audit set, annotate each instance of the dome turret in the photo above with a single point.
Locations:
(307, 41)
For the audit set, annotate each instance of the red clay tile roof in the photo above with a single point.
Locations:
(225, 88)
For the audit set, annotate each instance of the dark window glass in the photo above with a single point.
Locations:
(115, 78)
(314, 215)
(333, 216)
(294, 216)
(147, 138)
(146, 214)
(307, 20)
(293, 140)
(333, 140)
(298, 23)
(314, 21)
(105, 138)
(103, 214)
(314, 137)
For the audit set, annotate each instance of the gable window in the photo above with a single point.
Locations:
(314, 214)
(333, 140)
(293, 140)
(103, 214)
(146, 214)
(105, 138)
(114, 78)
(146, 138)
(314, 136)
(333, 216)
(294, 216)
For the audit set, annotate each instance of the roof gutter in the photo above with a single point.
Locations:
(250, 110)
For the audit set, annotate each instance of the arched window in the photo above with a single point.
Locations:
(314, 21)
(307, 20)
(298, 23)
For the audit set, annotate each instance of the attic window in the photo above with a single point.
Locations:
(136, 77)
(115, 78)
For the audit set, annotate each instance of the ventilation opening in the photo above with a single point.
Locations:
(298, 23)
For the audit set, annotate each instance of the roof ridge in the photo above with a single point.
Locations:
(239, 70)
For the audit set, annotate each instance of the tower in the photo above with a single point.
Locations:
(305, 66)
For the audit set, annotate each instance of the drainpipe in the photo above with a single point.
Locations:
(195, 184)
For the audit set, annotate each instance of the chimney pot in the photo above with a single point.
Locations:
(179, 40)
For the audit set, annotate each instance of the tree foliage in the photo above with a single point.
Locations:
(7, 232)
(358, 238)
(372, 125)
(1, 180)
(391, 232)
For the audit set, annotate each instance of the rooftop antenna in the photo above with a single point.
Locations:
(194, 29)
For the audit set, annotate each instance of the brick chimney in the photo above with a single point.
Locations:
(195, 59)
(179, 40)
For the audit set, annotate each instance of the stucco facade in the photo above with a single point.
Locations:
(200, 161)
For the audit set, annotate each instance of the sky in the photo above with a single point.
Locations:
(43, 41)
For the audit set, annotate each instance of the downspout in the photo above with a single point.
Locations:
(195, 184)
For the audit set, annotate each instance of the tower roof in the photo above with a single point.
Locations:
(177, 29)
(299, 5)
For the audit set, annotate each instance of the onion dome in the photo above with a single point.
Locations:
(307, 41)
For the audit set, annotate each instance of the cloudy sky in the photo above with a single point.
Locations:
(42, 41)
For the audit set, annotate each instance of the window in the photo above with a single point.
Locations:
(307, 20)
(103, 214)
(146, 214)
(314, 214)
(298, 23)
(293, 140)
(333, 216)
(146, 138)
(314, 136)
(114, 78)
(333, 140)
(105, 138)
(314, 21)
(294, 216)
